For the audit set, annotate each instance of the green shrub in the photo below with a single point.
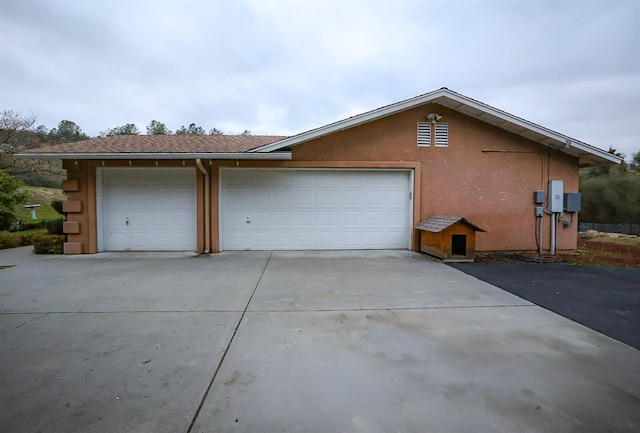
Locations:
(48, 244)
(57, 206)
(8, 240)
(21, 239)
(20, 226)
(11, 195)
(54, 227)
(27, 239)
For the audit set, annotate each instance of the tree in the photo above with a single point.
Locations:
(634, 165)
(13, 123)
(157, 128)
(66, 132)
(604, 169)
(216, 131)
(612, 197)
(11, 195)
(193, 129)
(246, 132)
(127, 129)
(42, 132)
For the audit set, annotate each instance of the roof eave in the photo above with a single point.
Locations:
(144, 155)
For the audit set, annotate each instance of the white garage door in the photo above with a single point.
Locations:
(315, 209)
(148, 209)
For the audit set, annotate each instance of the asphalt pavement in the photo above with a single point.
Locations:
(606, 299)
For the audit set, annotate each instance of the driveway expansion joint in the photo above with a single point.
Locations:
(355, 310)
(226, 350)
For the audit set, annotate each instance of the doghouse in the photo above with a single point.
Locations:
(449, 238)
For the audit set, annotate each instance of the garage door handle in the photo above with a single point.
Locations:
(127, 221)
(248, 220)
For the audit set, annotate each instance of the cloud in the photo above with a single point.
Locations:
(280, 66)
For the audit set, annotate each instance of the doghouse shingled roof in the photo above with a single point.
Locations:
(437, 223)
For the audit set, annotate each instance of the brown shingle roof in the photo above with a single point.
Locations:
(162, 144)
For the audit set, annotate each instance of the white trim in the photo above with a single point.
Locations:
(409, 171)
(139, 155)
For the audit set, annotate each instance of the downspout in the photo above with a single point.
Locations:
(207, 206)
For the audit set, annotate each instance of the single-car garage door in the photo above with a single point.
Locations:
(288, 209)
(147, 209)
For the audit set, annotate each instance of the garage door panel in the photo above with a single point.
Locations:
(303, 180)
(305, 218)
(328, 198)
(303, 198)
(128, 177)
(281, 198)
(282, 179)
(258, 198)
(139, 241)
(282, 219)
(328, 218)
(281, 240)
(304, 240)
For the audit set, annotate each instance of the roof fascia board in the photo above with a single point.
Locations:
(280, 156)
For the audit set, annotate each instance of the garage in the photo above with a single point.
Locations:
(146, 209)
(291, 209)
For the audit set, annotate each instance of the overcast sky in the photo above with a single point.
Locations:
(283, 67)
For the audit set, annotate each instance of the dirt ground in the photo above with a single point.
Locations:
(594, 249)
(605, 253)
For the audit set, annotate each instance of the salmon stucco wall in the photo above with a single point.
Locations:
(485, 174)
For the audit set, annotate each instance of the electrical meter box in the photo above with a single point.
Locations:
(572, 202)
(556, 196)
(538, 197)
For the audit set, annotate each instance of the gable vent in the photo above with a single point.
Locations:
(424, 134)
(442, 134)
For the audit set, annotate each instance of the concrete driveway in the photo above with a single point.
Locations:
(384, 341)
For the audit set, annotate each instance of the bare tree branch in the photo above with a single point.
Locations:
(12, 123)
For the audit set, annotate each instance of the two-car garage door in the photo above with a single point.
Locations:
(151, 209)
(315, 209)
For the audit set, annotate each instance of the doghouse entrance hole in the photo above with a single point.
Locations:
(459, 245)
